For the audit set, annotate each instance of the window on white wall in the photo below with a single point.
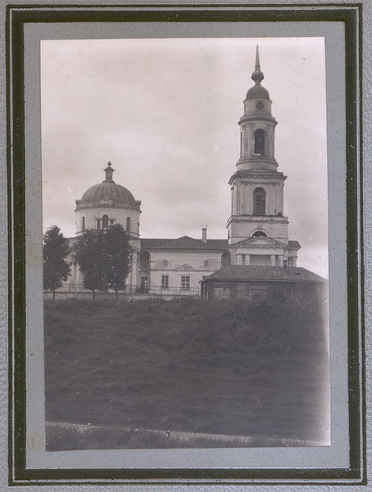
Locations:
(259, 142)
(259, 201)
(105, 222)
(164, 281)
(185, 282)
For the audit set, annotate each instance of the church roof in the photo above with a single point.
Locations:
(263, 273)
(258, 92)
(108, 194)
(152, 243)
(184, 242)
(294, 244)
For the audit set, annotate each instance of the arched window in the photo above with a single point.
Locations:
(259, 142)
(128, 224)
(259, 199)
(105, 222)
(83, 223)
(259, 234)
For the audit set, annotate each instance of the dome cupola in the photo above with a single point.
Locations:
(109, 172)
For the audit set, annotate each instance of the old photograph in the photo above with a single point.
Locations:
(185, 243)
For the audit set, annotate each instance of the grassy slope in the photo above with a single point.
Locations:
(187, 365)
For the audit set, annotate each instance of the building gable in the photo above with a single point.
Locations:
(260, 242)
(186, 268)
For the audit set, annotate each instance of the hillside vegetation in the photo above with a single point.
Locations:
(187, 365)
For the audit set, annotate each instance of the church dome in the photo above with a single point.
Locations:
(107, 194)
(258, 92)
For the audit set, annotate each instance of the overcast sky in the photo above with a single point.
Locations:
(165, 113)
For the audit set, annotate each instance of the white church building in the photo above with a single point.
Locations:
(257, 245)
(167, 266)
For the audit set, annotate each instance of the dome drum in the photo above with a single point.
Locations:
(253, 108)
(93, 218)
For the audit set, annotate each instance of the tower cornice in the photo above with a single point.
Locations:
(259, 175)
(260, 218)
(257, 117)
(258, 160)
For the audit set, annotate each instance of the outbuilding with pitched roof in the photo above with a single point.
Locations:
(259, 283)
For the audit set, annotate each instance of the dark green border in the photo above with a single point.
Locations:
(17, 16)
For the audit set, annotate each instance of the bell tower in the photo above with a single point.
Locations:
(257, 227)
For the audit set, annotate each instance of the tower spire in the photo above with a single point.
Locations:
(257, 75)
(257, 67)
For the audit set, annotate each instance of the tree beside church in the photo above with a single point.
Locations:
(118, 257)
(55, 267)
(89, 255)
(103, 257)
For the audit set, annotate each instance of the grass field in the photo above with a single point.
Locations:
(186, 365)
